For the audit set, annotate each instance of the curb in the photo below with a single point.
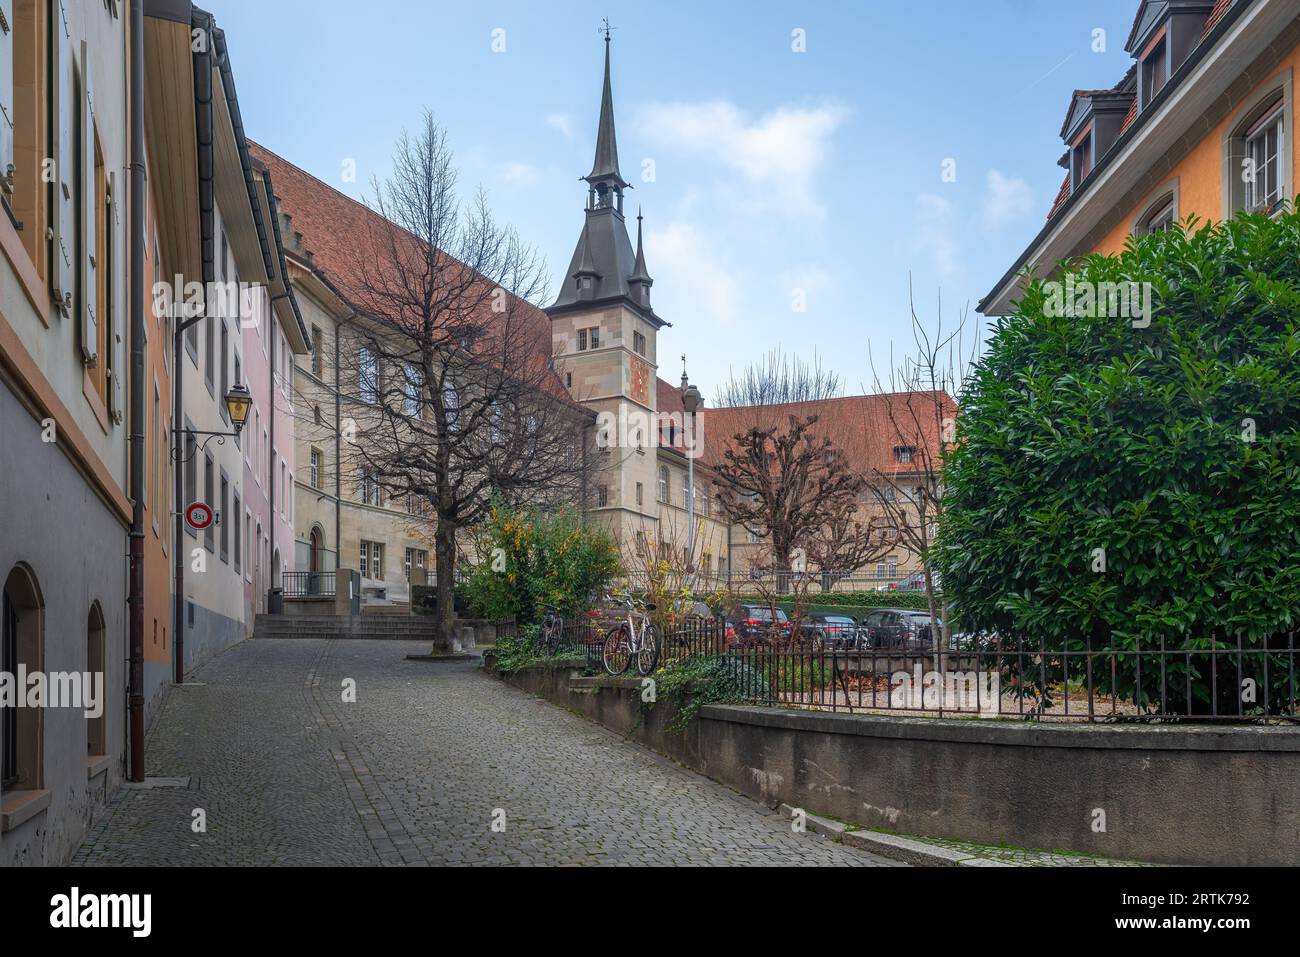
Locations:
(893, 846)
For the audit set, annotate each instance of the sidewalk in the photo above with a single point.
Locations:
(942, 852)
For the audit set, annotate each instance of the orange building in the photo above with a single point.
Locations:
(1202, 124)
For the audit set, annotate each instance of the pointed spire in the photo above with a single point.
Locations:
(605, 165)
(639, 272)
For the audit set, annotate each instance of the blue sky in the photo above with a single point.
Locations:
(774, 171)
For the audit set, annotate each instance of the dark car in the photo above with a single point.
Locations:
(896, 629)
(836, 632)
(754, 622)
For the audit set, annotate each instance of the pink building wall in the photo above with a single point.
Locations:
(268, 448)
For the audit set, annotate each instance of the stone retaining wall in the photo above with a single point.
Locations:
(1175, 795)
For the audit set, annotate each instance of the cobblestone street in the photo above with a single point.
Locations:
(412, 773)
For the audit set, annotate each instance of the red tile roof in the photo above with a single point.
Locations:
(1061, 196)
(336, 230)
(866, 428)
(1220, 8)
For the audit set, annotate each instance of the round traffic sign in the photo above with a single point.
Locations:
(198, 515)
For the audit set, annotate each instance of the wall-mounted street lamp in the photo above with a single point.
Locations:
(237, 401)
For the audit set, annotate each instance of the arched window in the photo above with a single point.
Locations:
(22, 612)
(1160, 213)
(1258, 165)
(96, 633)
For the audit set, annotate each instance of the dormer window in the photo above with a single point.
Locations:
(903, 454)
(1155, 71)
(1081, 159)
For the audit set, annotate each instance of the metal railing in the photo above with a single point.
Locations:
(308, 584)
(856, 671)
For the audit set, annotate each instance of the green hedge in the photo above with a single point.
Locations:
(850, 600)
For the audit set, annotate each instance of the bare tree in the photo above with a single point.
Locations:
(456, 400)
(918, 395)
(779, 379)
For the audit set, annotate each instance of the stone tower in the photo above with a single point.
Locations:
(603, 339)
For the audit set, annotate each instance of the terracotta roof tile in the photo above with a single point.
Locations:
(861, 426)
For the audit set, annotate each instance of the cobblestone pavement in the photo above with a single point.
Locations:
(413, 772)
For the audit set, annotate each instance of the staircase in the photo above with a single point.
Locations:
(411, 627)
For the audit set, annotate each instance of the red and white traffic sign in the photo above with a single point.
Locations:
(199, 516)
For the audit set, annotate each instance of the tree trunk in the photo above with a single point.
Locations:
(444, 550)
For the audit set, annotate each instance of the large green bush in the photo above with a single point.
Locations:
(528, 557)
(1174, 447)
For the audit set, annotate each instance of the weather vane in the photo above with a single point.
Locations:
(605, 28)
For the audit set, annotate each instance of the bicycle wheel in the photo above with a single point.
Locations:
(647, 655)
(552, 629)
(616, 650)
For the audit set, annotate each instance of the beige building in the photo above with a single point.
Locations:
(605, 337)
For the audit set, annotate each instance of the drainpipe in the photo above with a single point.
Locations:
(135, 714)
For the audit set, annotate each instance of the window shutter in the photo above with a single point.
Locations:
(113, 258)
(64, 104)
(6, 96)
(89, 207)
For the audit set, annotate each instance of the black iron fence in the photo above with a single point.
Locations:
(854, 670)
(308, 584)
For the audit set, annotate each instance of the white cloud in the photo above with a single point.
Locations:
(682, 259)
(1006, 199)
(560, 121)
(779, 153)
(937, 221)
(518, 173)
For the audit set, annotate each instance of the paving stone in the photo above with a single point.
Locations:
(414, 772)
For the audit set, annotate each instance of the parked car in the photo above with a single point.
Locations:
(916, 582)
(896, 629)
(836, 632)
(754, 622)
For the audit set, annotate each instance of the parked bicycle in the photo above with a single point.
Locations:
(636, 639)
(552, 630)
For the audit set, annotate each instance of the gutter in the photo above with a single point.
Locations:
(1144, 119)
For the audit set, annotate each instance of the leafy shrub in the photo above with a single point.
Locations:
(1174, 448)
(692, 683)
(545, 557)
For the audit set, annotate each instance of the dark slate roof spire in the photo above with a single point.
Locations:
(604, 167)
(640, 281)
(605, 269)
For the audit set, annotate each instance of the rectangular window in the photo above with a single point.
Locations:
(317, 351)
(1155, 71)
(602, 496)
(415, 566)
(191, 477)
(209, 498)
(903, 454)
(1264, 150)
(595, 337)
(372, 559)
(640, 494)
(317, 459)
(224, 359)
(1081, 160)
(158, 478)
(235, 518)
(224, 519)
(663, 484)
(638, 343)
(582, 340)
(368, 378)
